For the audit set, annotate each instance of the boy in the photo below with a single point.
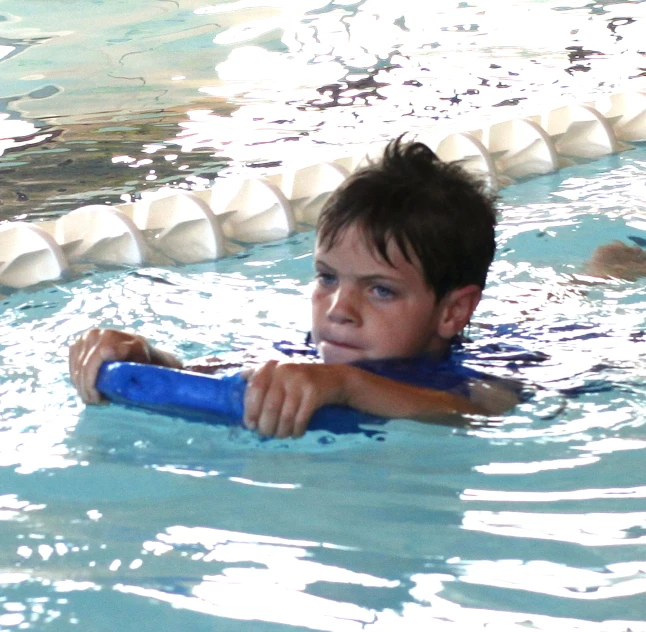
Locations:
(402, 253)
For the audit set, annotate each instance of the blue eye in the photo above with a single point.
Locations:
(382, 291)
(326, 278)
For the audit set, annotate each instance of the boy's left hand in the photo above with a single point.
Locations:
(281, 398)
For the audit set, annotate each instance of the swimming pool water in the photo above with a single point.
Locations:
(116, 519)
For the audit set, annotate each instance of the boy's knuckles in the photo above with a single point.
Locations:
(272, 407)
(268, 367)
(286, 421)
(261, 377)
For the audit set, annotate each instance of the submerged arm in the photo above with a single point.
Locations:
(382, 396)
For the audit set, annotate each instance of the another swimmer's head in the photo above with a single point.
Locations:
(402, 254)
(434, 211)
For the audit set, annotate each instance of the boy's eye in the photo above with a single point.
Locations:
(381, 291)
(326, 278)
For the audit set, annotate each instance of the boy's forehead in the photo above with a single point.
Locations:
(353, 241)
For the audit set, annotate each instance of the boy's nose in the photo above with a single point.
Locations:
(344, 307)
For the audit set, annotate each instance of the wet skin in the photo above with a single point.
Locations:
(365, 308)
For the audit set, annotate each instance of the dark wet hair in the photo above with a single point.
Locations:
(432, 209)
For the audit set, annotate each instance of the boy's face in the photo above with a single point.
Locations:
(364, 308)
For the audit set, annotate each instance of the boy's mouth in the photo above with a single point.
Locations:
(339, 344)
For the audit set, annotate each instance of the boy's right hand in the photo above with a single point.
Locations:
(619, 261)
(97, 346)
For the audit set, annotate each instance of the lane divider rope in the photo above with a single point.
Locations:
(172, 226)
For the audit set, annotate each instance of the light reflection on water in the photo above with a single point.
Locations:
(172, 92)
(585, 529)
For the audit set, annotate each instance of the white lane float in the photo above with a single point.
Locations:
(308, 188)
(28, 255)
(97, 233)
(249, 210)
(580, 131)
(175, 226)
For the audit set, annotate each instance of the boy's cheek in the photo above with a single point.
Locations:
(315, 333)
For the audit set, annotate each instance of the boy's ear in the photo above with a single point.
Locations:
(456, 309)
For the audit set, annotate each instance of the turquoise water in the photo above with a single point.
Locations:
(115, 519)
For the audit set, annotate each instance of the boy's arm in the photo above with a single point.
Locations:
(385, 397)
(281, 398)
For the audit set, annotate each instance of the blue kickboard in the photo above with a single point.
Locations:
(206, 398)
